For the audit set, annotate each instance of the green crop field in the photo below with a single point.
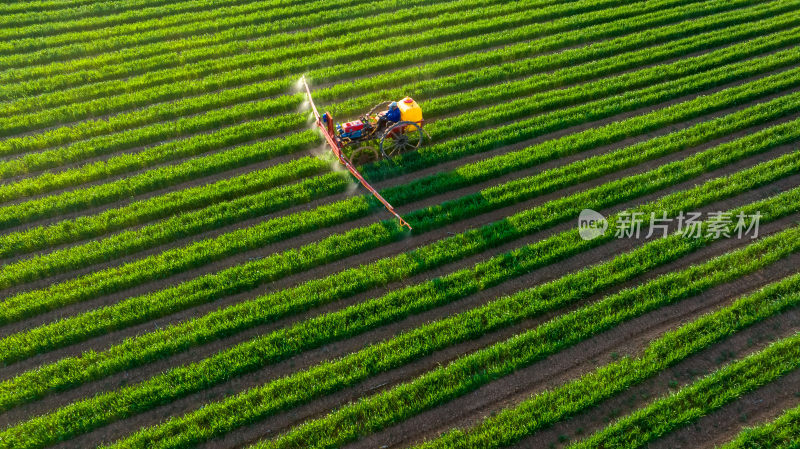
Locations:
(602, 246)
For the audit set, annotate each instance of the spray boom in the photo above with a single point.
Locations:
(325, 123)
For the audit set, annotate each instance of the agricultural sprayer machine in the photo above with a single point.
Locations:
(376, 135)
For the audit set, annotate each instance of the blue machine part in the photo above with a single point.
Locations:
(350, 135)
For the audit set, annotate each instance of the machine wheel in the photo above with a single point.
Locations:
(400, 138)
(363, 154)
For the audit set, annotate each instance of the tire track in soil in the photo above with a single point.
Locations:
(744, 342)
(121, 428)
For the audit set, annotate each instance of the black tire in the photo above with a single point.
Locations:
(402, 137)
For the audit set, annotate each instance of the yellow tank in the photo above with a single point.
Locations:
(409, 110)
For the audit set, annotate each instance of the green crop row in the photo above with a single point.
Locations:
(153, 57)
(159, 178)
(74, 8)
(493, 167)
(157, 207)
(74, 110)
(208, 60)
(700, 398)
(149, 156)
(96, 14)
(274, 126)
(87, 414)
(282, 103)
(160, 55)
(562, 77)
(43, 5)
(674, 86)
(33, 51)
(174, 228)
(101, 282)
(131, 241)
(54, 34)
(580, 171)
(252, 274)
(522, 130)
(470, 372)
(76, 200)
(627, 101)
(525, 129)
(782, 433)
(218, 418)
(66, 231)
(147, 88)
(21, 188)
(551, 406)
(246, 315)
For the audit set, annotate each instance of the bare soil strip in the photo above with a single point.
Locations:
(324, 405)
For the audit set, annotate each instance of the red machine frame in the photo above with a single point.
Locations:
(329, 134)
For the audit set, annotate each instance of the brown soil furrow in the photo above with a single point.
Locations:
(395, 181)
(759, 406)
(240, 384)
(104, 341)
(627, 339)
(325, 232)
(349, 79)
(139, 148)
(741, 344)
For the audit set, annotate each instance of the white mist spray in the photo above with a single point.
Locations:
(323, 151)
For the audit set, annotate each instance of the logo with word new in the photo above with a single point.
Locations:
(591, 224)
